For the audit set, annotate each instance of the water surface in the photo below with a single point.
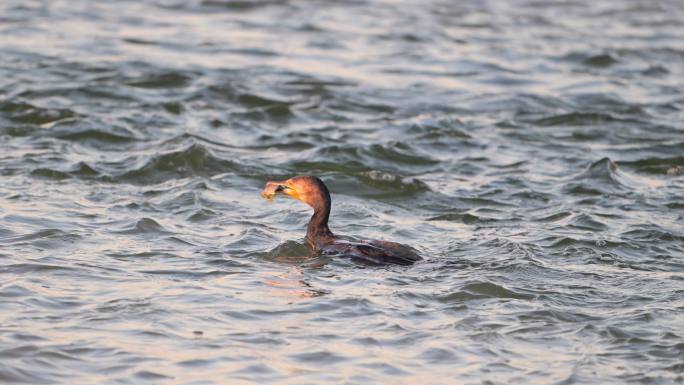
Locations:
(532, 151)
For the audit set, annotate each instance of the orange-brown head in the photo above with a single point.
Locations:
(308, 189)
(313, 192)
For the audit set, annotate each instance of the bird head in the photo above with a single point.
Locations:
(308, 189)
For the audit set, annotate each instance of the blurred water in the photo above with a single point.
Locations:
(533, 152)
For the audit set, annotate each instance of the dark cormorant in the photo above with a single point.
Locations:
(312, 191)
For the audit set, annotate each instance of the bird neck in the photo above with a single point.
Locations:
(317, 231)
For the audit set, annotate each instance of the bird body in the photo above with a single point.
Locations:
(312, 191)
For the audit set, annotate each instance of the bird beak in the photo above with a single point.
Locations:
(274, 188)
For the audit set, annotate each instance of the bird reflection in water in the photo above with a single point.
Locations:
(290, 283)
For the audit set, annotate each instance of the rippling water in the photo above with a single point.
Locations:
(533, 152)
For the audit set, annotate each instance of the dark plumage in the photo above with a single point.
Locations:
(312, 191)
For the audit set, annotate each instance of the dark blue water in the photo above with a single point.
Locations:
(532, 151)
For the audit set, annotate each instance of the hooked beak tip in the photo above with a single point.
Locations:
(271, 190)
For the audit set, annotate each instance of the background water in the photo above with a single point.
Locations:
(533, 151)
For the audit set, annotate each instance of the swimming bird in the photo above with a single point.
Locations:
(312, 191)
